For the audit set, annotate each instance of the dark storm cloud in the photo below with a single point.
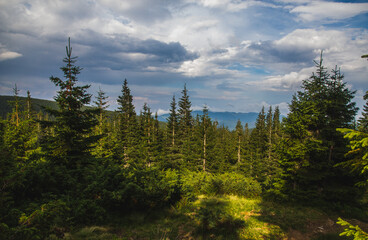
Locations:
(124, 52)
(171, 52)
(268, 51)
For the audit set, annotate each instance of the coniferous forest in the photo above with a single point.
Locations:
(77, 172)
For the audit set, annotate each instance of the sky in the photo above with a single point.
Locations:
(233, 55)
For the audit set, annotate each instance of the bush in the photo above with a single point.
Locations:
(212, 184)
(212, 216)
(45, 220)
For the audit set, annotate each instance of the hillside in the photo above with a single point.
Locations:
(228, 119)
(37, 104)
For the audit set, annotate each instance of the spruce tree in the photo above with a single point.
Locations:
(15, 114)
(172, 122)
(128, 123)
(276, 125)
(205, 127)
(147, 135)
(259, 136)
(239, 138)
(185, 113)
(105, 145)
(101, 105)
(71, 141)
(185, 123)
(269, 132)
(363, 120)
(312, 146)
(174, 157)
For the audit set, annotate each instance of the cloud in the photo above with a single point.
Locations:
(162, 112)
(323, 10)
(124, 52)
(230, 52)
(231, 5)
(9, 55)
(287, 82)
(5, 54)
(141, 11)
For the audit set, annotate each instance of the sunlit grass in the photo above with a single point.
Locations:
(209, 217)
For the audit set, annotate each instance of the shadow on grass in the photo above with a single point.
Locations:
(214, 221)
(300, 222)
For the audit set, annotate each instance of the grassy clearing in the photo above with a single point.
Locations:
(225, 217)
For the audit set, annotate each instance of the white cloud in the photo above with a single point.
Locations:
(231, 5)
(162, 112)
(313, 39)
(322, 10)
(9, 55)
(287, 82)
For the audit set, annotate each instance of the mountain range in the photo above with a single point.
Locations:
(228, 119)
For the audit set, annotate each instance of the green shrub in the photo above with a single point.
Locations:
(43, 221)
(87, 211)
(212, 216)
(196, 183)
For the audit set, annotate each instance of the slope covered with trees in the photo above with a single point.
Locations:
(75, 166)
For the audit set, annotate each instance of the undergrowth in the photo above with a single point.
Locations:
(217, 217)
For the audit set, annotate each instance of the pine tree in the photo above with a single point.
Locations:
(104, 147)
(147, 132)
(128, 122)
(312, 145)
(101, 105)
(205, 125)
(29, 105)
(172, 122)
(363, 120)
(15, 103)
(259, 136)
(184, 113)
(71, 141)
(185, 124)
(276, 125)
(269, 132)
(239, 136)
(174, 157)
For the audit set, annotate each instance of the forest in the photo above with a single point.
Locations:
(77, 172)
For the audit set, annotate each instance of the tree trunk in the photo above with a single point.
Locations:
(204, 152)
(239, 149)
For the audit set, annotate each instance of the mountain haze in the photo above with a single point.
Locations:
(228, 119)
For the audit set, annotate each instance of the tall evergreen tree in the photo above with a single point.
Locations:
(101, 105)
(205, 127)
(104, 147)
(185, 123)
(363, 120)
(15, 114)
(239, 136)
(172, 122)
(185, 113)
(259, 136)
(269, 132)
(276, 125)
(313, 146)
(147, 132)
(71, 141)
(128, 122)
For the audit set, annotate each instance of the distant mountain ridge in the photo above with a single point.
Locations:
(36, 104)
(228, 119)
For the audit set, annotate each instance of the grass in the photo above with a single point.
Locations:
(221, 217)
